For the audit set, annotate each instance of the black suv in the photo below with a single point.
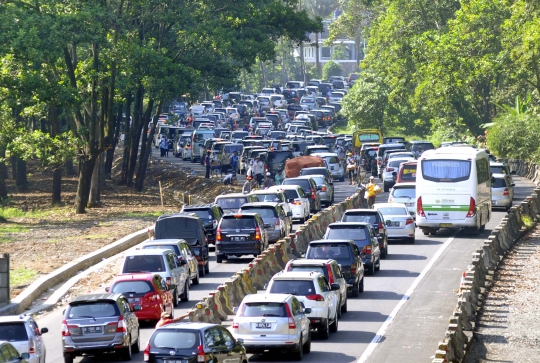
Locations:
(347, 254)
(189, 227)
(376, 219)
(210, 215)
(240, 234)
(100, 323)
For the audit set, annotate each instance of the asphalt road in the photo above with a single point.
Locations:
(400, 317)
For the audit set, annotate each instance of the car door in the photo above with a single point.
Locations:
(330, 297)
(132, 323)
(35, 334)
(190, 258)
(177, 272)
(317, 193)
(231, 352)
(301, 318)
(304, 200)
(339, 279)
(357, 260)
(375, 249)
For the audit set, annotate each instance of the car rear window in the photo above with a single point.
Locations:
(500, 169)
(304, 183)
(13, 332)
(408, 173)
(388, 211)
(172, 247)
(177, 228)
(498, 183)
(176, 339)
(245, 222)
(332, 160)
(239, 134)
(264, 309)
(448, 171)
(396, 163)
(150, 263)
(263, 212)
(360, 217)
(404, 193)
(321, 269)
(336, 232)
(269, 198)
(291, 194)
(132, 286)
(294, 287)
(201, 213)
(338, 252)
(231, 203)
(314, 171)
(98, 309)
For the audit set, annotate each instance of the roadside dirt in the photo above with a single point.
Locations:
(42, 238)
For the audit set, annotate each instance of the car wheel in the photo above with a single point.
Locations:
(196, 279)
(378, 266)
(385, 187)
(300, 352)
(185, 295)
(175, 298)
(361, 285)
(411, 240)
(68, 358)
(201, 271)
(307, 346)
(126, 352)
(371, 269)
(344, 307)
(207, 268)
(355, 292)
(324, 331)
(334, 326)
(338, 310)
(136, 347)
(219, 258)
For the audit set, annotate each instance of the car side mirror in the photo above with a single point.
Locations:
(172, 287)
(265, 286)
(25, 356)
(512, 185)
(107, 289)
(44, 330)
(334, 287)
(307, 311)
(388, 223)
(137, 307)
(289, 214)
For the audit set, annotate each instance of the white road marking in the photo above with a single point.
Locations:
(380, 333)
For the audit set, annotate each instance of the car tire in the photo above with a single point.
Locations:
(207, 268)
(68, 358)
(300, 352)
(324, 331)
(195, 281)
(371, 269)
(386, 188)
(126, 352)
(201, 271)
(136, 347)
(307, 345)
(361, 286)
(175, 297)
(344, 306)
(411, 240)
(185, 295)
(219, 258)
(378, 266)
(338, 310)
(355, 292)
(334, 326)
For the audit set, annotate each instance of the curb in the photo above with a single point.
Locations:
(20, 303)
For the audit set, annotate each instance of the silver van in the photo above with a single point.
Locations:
(197, 141)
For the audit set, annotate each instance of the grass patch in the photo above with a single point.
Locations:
(21, 276)
(142, 215)
(342, 128)
(11, 212)
(4, 240)
(13, 228)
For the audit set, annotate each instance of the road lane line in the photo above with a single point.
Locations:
(380, 333)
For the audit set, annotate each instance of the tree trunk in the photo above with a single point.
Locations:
(57, 186)
(317, 58)
(110, 152)
(95, 187)
(302, 63)
(70, 170)
(127, 140)
(246, 84)
(86, 167)
(3, 176)
(146, 149)
(139, 124)
(22, 177)
(13, 160)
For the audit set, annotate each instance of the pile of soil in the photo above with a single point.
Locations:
(44, 238)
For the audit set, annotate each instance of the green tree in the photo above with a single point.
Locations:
(332, 68)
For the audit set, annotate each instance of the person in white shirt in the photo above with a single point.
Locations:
(258, 169)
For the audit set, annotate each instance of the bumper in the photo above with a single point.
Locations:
(149, 312)
(118, 342)
(317, 322)
(297, 211)
(423, 222)
(253, 248)
(256, 347)
(338, 173)
(501, 202)
(406, 232)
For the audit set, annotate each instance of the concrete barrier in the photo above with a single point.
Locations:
(479, 275)
(24, 300)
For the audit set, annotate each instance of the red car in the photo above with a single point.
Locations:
(147, 290)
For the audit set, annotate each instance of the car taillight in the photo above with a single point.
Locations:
(315, 297)
(65, 329)
(278, 222)
(168, 281)
(381, 226)
(420, 207)
(472, 208)
(353, 269)
(506, 192)
(313, 195)
(218, 234)
(323, 189)
(367, 250)
(257, 233)
(389, 169)
(297, 203)
(201, 357)
(118, 326)
(330, 274)
(292, 323)
(378, 162)
(409, 221)
(31, 349)
(68, 330)
(151, 296)
(146, 356)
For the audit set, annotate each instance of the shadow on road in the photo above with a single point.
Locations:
(396, 273)
(403, 256)
(381, 295)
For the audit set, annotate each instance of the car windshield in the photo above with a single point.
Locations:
(239, 134)
(264, 309)
(304, 183)
(97, 309)
(201, 213)
(270, 197)
(393, 211)
(132, 286)
(275, 157)
(448, 171)
(13, 332)
(149, 263)
(334, 251)
(346, 233)
(366, 218)
(265, 213)
(176, 228)
(396, 163)
(172, 247)
(404, 193)
(231, 203)
(247, 222)
(176, 339)
(317, 171)
(294, 287)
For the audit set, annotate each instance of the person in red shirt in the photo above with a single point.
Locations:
(166, 319)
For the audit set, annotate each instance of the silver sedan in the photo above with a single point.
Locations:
(399, 223)
(326, 189)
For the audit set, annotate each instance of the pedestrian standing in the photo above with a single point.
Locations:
(351, 167)
(372, 190)
(279, 177)
(268, 182)
(207, 164)
(234, 162)
(258, 169)
(163, 146)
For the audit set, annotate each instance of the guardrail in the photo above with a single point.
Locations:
(479, 275)
(218, 304)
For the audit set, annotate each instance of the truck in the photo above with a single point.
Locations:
(367, 135)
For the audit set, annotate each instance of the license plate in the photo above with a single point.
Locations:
(92, 329)
(238, 239)
(133, 299)
(263, 326)
(395, 224)
(176, 361)
(445, 225)
(409, 204)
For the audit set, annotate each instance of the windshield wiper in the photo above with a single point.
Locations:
(265, 315)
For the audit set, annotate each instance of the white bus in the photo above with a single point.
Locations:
(453, 189)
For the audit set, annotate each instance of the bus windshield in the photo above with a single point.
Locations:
(447, 171)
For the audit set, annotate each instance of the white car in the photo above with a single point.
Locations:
(314, 291)
(399, 223)
(274, 195)
(273, 322)
(404, 193)
(336, 96)
(24, 334)
(389, 173)
(266, 102)
(279, 101)
(296, 199)
(333, 164)
(308, 103)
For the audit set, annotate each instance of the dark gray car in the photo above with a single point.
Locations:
(277, 223)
